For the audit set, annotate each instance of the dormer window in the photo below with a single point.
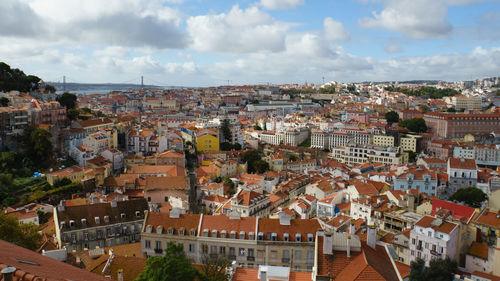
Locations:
(223, 234)
(63, 224)
(205, 232)
(149, 228)
(84, 222)
(286, 237)
(260, 236)
(182, 232)
(71, 223)
(170, 231)
(214, 233)
(122, 215)
(242, 234)
(268, 236)
(310, 237)
(137, 214)
(274, 236)
(192, 232)
(298, 237)
(233, 234)
(97, 220)
(159, 229)
(106, 219)
(251, 235)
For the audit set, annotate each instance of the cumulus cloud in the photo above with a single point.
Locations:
(112, 51)
(18, 19)
(415, 19)
(334, 30)
(238, 31)
(280, 4)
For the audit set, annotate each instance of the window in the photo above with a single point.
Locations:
(412, 252)
(298, 254)
(158, 245)
(191, 248)
(434, 247)
(413, 241)
(286, 254)
(147, 244)
(232, 251)
(166, 198)
(213, 250)
(222, 250)
(241, 251)
(204, 249)
(310, 237)
(286, 237)
(149, 199)
(429, 233)
(298, 237)
(427, 245)
(250, 252)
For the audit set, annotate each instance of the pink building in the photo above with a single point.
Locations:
(449, 125)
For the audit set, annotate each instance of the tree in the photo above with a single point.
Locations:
(237, 146)
(470, 196)
(214, 267)
(260, 166)
(226, 130)
(4, 101)
(392, 117)
(50, 88)
(25, 235)
(412, 156)
(40, 147)
(451, 109)
(174, 266)
(225, 146)
(416, 125)
(257, 127)
(67, 99)
(72, 114)
(252, 158)
(438, 270)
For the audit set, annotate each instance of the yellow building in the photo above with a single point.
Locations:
(207, 140)
(75, 173)
(409, 142)
(382, 140)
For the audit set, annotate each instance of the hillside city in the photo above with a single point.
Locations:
(329, 181)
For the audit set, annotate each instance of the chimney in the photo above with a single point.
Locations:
(113, 203)
(8, 273)
(284, 218)
(61, 206)
(263, 273)
(119, 275)
(348, 246)
(371, 238)
(328, 243)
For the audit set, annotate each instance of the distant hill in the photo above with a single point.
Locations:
(14, 79)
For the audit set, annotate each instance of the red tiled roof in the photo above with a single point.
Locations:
(445, 227)
(458, 211)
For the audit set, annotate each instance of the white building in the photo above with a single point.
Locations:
(433, 238)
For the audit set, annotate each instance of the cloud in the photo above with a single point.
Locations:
(239, 31)
(280, 4)
(393, 49)
(18, 19)
(112, 51)
(334, 30)
(415, 19)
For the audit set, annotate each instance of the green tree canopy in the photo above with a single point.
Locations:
(174, 266)
(255, 162)
(392, 117)
(226, 130)
(13, 79)
(430, 92)
(214, 267)
(416, 125)
(40, 147)
(25, 235)
(72, 114)
(470, 196)
(67, 99)
(438, 270)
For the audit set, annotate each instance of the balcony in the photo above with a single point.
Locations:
(158, 251)
(249, 258)
(419, 247)
(232, 257)
(285, 260)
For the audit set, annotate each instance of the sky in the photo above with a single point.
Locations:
(219, 42)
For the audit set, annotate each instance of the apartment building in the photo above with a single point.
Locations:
(249, 203)
(355, 155)
(433, 238)
(417, 178)
(486, 155)
(248, 241)
(99, 225)
(457, 125)
(468, 103)
(382, 140)
(320, 139)
(94, 125)
(461, 173)
(146, 142)
(13, 121)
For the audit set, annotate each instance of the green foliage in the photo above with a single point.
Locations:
(257, 127)
(327, 90)
(174, 266)
(237, 146)
(72, 114)
(293, 158)
(306, 143)
(438, 270)
(13, 79)
(50, 88)
(61, 182)
(25, 235)
(451, 109)
(392, 117)
(68, 99)
(218, 180)
(470, 196)
(42, 217)
(214, 267)
(416, 125)
(226, 130)
(226, 146)
(429, 92)
(4, 102)
(412, 156)
(255, 162)
(40, 147)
